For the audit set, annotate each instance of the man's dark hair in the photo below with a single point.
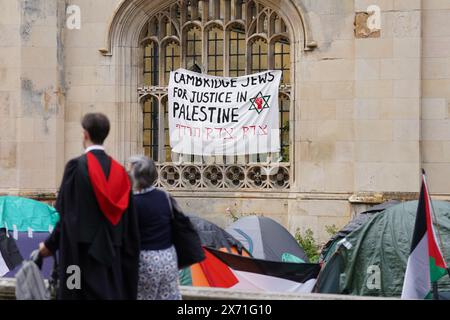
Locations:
(97, 125)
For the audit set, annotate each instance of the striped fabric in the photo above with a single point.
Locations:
(246, 273)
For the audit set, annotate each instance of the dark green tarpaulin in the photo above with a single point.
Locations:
(372, 259)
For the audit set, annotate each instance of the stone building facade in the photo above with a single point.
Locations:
(365, 97)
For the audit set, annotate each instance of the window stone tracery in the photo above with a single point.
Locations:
(223, 38)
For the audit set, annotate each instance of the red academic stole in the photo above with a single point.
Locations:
(112, 194)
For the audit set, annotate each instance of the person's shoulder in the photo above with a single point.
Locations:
(160, 193)
(73, 163)
(152, 195)
(71, 168)
(76, 159)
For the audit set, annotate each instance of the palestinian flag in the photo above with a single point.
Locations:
(226, 270)
(425, 263)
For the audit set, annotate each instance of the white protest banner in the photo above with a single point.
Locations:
(211, 115)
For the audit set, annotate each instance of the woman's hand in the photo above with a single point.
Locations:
(43, 251)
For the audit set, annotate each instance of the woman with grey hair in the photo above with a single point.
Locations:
(158, 269)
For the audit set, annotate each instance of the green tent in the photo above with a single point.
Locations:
(26, 213)
(371, 259)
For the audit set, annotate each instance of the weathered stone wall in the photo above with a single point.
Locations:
(435, 128)
(9, 92)
(32, 95)
(372, 105)
(90, 76)
(359, 123)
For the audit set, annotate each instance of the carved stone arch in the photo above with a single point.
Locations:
(148, 96)
(123, 52)
(188, 26)
(192, 24)
(146, 40)
(212, 24)
(131, 15)
(284, 94)
(257, 36)
(170, 39)
(277, 37)
(240, 23)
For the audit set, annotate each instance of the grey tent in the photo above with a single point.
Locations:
(371, 259)
(211, 236)
(266, 239)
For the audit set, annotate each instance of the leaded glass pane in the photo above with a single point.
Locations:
(282, 60)
(259, 56)
(151, 64)
(194, 47)
(234, 42)
(172, 60)
(284, 105)
(167, 149)
(151, 119)
(215, 52)
(237, 52)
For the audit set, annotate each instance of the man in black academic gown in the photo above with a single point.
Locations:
(98, 229)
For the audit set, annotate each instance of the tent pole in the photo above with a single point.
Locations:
(435, 290)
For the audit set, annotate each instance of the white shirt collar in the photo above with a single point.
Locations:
(149, 189)
(94, 147)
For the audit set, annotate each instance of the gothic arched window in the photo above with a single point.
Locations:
(222, 38)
